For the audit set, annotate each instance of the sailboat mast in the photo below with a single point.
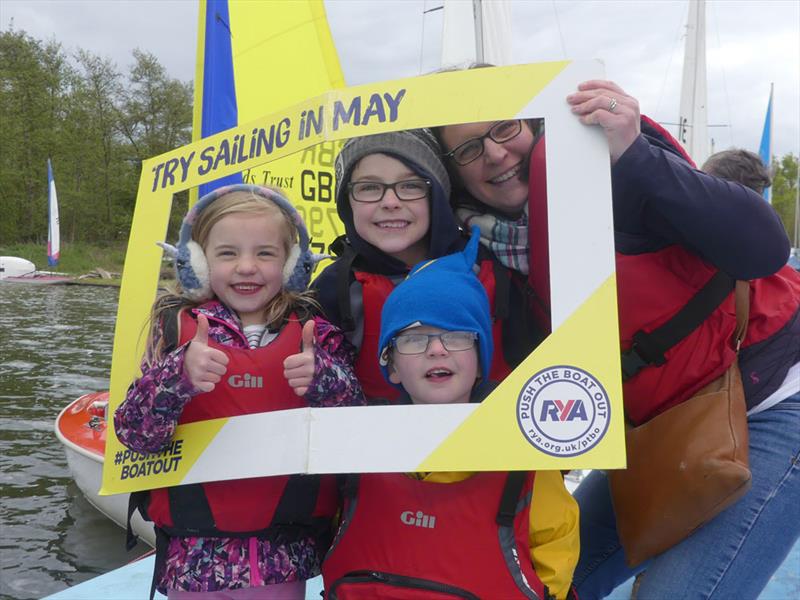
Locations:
(476, 32)
(477, 11)
(693, 119)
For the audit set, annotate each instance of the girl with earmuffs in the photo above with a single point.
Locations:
(240, 337)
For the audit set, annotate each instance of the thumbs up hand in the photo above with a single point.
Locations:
(203, 365)
(299, 368)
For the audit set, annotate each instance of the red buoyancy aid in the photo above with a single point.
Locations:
(653, 286)
(253, 383)
(374, 291)
(405, 539)
(538, 235)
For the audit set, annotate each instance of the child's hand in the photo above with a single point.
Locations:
(299, 368)
(204, 366)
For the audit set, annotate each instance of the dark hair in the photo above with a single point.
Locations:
(740, 166)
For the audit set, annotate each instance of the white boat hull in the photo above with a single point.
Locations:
(87, 471)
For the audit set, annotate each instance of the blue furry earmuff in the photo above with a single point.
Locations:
(191, 267)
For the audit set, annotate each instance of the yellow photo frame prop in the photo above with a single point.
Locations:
(560, 409)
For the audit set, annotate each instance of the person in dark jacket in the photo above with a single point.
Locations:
(675, 227)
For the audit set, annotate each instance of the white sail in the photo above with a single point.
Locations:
(476, 31)
(693, 119)
(53, 230)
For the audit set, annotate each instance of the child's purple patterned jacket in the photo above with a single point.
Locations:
(146, 421)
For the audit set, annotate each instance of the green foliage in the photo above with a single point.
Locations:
(784, 192)
(95, 123)
(35, 80)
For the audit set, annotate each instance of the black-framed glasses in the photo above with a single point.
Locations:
(472, 149)
(373, 191)
(417, 343)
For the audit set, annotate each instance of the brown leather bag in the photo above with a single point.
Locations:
(686, 465)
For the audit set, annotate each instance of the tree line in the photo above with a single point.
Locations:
(94, 122)
(97, 124)
(784, 192)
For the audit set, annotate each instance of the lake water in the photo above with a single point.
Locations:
(55, 344)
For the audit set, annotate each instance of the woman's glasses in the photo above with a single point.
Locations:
(472, 149)
(417, 343)
(373, 191)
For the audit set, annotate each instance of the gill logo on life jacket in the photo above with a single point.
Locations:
(417, 519)
(246, 381)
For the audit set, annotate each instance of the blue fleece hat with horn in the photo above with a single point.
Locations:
(445, 293)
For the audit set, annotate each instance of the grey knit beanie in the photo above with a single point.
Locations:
(417, 146)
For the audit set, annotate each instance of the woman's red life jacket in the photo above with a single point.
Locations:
(253, 383)
(653, 286)
(375, 289)
(538, 236)
(405, 539)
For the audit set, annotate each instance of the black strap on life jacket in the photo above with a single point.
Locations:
(507, 511)
(521, 330)
(534, 298)
(162, 545)
(502, 290)
(343, 288)
(296, 505)
(648, 349)
(348, 486)
(190, 511)
(136, 501)
(171, 325)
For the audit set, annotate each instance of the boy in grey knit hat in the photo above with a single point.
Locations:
(392, 194)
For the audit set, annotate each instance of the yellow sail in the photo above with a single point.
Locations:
(282, 53)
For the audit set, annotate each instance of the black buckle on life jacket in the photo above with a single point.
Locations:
(639, 356)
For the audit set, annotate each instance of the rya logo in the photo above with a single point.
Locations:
(563, 410)
(245, 381)
(417, 519)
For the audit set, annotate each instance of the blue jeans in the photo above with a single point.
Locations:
(734, 555)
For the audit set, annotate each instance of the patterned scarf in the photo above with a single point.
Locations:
(508, 240)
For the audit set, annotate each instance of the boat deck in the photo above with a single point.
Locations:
(133, 581)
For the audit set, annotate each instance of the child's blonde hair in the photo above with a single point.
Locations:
(278, 310)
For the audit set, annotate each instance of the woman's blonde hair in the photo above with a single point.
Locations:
(277, 311)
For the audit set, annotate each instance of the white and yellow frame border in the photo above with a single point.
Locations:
(578, 361)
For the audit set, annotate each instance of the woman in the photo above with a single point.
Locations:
(674, 228)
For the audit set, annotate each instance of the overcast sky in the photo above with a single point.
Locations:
(750, 44)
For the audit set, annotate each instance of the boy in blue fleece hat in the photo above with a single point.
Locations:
(457, 533)
(429, 327)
